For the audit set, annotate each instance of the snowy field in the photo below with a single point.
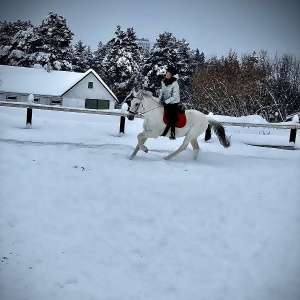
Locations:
(79, 220)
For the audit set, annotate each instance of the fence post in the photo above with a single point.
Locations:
(29, 117)
(293, 134)
(122, 124)
(29, 111)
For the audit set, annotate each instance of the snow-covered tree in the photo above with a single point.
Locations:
(11, 41)
(89, 57)
(98, 56)
(197, 60)
(122, 62)
(82, 57)
(23, 47)
(53, 43)
(162, 54)
(168, 50)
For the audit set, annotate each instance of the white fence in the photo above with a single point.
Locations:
(30, 106)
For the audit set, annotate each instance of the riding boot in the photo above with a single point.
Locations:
(166, 130)
(172, 135)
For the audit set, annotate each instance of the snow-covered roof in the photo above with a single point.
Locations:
(40, 82)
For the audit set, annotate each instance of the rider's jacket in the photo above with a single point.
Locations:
(169, 93)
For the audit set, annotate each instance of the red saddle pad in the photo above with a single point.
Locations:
(181, 121)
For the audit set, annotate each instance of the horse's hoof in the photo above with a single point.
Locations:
(131, 157)
(167, 158)
(146, 150)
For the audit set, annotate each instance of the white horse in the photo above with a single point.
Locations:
(145, 104)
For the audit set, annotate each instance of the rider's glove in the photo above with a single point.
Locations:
(162, 102)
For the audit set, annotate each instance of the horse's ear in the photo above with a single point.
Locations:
(139, 94)
(144, 92)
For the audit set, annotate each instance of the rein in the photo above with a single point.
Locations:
(144, 112)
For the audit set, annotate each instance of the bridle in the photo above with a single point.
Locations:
(138, 106)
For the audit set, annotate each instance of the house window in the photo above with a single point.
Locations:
(11, 98)
(36, 100)
(90, 85)
(55, 102)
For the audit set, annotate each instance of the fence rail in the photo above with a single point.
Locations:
(30, 106)
(60, 108)
(269, 125)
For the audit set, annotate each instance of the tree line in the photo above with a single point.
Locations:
(251, 84)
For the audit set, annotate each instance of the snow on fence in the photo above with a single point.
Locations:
(30, 106)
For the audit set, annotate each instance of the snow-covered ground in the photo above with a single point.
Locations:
(79, 220)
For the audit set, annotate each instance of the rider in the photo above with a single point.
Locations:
(170, 97)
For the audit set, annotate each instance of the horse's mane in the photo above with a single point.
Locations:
(142, 93)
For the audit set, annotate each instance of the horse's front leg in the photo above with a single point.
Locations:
(141, 141)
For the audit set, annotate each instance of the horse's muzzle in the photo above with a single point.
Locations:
(130, 117)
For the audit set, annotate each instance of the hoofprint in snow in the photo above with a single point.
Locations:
(79, 220)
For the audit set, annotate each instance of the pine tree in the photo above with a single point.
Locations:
(90, 57)
(21, 47)
(197, 60)
(184, 62)
(160, 56)
(167, 50)
(10, 49)
(53, 43)
(122, 62)
(98, 56)
(135, 77)
(82, 57)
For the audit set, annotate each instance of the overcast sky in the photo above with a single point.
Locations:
(212, 26)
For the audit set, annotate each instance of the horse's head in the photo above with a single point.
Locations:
(135, 105)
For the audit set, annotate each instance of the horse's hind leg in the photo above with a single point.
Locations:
(184, 145)
(196, 147)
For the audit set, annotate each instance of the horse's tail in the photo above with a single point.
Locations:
(219, 130)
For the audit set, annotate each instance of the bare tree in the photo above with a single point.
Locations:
(229, 86)
(282, 86)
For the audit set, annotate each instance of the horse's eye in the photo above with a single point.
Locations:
(137, 104)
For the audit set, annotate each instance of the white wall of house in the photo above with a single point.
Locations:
(81, 91)
(38, 99)
(73, 102)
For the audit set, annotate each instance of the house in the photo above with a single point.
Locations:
(69, 89)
